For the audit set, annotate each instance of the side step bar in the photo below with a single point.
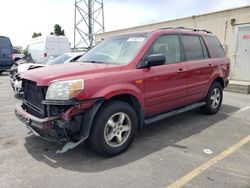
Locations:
(173, 113)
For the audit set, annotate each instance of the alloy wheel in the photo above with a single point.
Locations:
(117, 129)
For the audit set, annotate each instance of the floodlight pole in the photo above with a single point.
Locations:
(88, 21)
(90, 12)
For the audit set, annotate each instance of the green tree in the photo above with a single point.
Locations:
(25, 51)
(34, 35)
(58, 30)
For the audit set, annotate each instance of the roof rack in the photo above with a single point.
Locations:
(192, 29)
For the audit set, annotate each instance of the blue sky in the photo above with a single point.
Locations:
(19, 19)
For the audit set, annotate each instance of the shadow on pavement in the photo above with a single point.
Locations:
(150, 139)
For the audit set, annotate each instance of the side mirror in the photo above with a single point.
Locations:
(154, 60)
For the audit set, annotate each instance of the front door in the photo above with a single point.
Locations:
(242, 54)
(165, 85)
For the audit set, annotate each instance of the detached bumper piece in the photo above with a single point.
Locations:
(51, 128)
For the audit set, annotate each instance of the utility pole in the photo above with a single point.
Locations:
(88, 21)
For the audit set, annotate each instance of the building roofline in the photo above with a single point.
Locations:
(183, 18)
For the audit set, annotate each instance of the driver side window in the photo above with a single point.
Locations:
(169, 46)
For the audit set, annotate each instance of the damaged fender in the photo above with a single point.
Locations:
(86, 125)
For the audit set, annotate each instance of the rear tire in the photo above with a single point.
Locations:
(114, 128)
(213, 99)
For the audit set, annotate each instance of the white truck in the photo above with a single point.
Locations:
(45, 46)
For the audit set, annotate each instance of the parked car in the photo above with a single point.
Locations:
(51, 45)
(17, 55)
(15, 79)
(123, 83)
(5, 54)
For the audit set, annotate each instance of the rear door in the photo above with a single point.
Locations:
(199, 66)
(52, 46)
(64, 45)
(165, 85)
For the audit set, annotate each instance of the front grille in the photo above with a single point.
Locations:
(33, 97)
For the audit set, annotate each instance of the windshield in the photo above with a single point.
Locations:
(115, 50)
(59, 60)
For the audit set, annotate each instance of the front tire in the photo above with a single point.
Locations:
(114, 128)
(213, 99)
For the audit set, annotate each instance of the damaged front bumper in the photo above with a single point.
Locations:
(58, 128)
(39, 125)
(16, 83)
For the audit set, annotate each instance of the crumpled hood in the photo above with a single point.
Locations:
(24, 67)
(44, 76)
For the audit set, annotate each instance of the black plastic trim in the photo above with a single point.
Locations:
(156, 118)
(67, 102)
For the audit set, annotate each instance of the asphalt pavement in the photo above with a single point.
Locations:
(189, 150)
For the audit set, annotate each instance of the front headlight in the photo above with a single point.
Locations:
(64, 90)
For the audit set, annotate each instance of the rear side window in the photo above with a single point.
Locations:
(168, 45)
(204, 49)
(214, 46)
(192, 47)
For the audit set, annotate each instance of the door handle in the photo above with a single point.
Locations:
(211, 65)
(181, 70)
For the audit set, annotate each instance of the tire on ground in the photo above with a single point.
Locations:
(213, 99)
(101, 129)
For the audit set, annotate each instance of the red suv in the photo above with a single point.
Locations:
(123, 83)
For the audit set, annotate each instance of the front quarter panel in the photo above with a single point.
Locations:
(110, 85)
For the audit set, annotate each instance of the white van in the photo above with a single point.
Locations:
(51, 45)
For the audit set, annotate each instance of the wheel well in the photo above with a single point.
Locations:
(132, 101)
(220, 80)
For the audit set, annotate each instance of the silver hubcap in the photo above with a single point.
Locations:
(117, 129)
(215, 98)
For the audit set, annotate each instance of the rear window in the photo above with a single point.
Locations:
(192, 47)
(4, 42)
(5, 45)
(214, 46)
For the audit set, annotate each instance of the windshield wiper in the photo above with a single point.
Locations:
(99, 62)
